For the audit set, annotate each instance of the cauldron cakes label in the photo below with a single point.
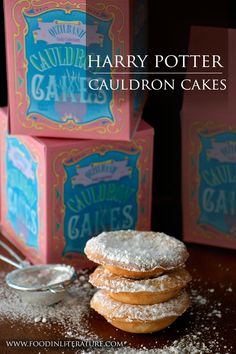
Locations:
(100, 193)
(57, 45)
(217, 191)
(209, 171)
(49, 47)
(22, 191)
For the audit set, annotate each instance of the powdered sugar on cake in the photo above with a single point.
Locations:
(137, 250)
(112, 309)
(104, 279)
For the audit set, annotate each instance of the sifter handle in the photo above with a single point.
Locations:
(20, 263)
(9, 261)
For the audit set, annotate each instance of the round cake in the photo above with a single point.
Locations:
(141, 291)
(136, 254)
(139, 318)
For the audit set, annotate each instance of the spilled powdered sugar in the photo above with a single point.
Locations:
(187, 345)
(199, 331)
(137, 250)
(69, 313)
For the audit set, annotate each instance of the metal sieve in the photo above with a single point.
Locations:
(39, 284)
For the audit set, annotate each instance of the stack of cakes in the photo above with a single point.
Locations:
(141, 279)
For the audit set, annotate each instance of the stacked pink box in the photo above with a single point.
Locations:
(49, 71)
(209, 148)
(57, 193)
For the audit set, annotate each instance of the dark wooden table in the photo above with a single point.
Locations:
(212, 317)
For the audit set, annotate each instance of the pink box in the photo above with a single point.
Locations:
(209, 148)
(49, 79)
(4, 127)
(56, 194)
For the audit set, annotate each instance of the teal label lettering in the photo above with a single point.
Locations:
(217, 193)
(100, 194)
(22, 192)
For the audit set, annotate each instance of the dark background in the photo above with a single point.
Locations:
(169, 27)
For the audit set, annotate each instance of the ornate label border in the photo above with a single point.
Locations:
(209, 128)
(38, 255)
(101, 11)
(141, 146)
